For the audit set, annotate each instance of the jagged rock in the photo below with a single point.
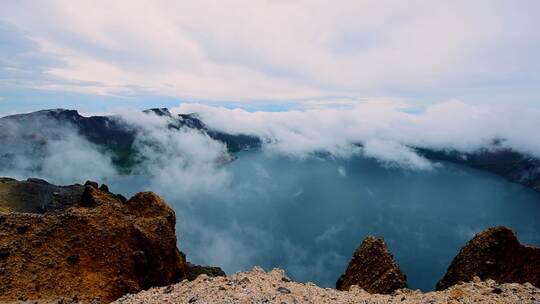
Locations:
(37, 181)
(494, 254)
(193, 271)
(89, 197)
(373, 269)
(91, 183)
(100, 250)
(122, 198)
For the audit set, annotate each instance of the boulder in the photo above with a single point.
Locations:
(193, 271)
(495, 254)
(95, 248)
(373, 269)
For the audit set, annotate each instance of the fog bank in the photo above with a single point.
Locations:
(383, 128)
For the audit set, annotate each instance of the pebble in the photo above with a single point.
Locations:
(283, 290)
(168, 289)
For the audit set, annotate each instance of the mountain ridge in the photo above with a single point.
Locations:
(111, 132)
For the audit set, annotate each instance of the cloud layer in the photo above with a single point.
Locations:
(43, 148)
(280, 50)
(386, 131)
(188, 162)
(183, 163)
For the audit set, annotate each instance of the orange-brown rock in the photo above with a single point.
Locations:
(494, 254)
(373, 269)
(98, 248)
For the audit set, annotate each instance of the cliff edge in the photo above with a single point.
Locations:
(83, 243)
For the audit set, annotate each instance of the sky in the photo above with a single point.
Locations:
(100, 56)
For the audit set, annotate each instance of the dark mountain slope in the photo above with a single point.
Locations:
(114, 135)
(108, 132)
(514, 166)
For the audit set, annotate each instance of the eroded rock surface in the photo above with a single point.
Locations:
(96, 247)
(373, 268)
(496, 254)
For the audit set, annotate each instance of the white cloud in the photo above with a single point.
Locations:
(391, 154)
(53, 152)
(329, 235)
(183, 163)
(280, 50)
(385, 130)
(342, 171)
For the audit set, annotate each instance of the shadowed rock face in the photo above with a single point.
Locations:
(193, 271)
(36, 196)
(373, 269)
(106, 131)
(494, 254)
(95, 247)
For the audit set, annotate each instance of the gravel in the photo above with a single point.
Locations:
(258, 286)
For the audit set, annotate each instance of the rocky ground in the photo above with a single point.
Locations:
(84, 243)
(98, 249)
(257, 286)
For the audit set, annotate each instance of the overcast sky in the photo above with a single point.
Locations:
(266, 55)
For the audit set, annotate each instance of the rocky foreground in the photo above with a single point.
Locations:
(82, 243)
(257, 286)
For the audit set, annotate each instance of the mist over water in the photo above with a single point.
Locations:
(308, 216)
(284, 206)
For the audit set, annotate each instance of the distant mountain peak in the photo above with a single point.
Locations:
(57, 113)
(159, 112)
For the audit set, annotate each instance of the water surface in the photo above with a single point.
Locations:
(308, 216)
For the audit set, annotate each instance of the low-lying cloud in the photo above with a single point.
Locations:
(46, 149)
(183, 162)
(385, 131)
(187, 161)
